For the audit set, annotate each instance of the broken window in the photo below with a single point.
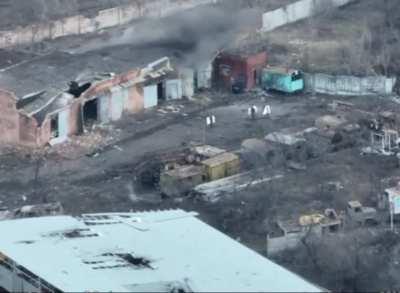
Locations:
(54, 126)
(296, 76)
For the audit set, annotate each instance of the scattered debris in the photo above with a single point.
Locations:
(29, 211)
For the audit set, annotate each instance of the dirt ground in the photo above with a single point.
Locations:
(106, 182)
(361, 38)
(99, 171)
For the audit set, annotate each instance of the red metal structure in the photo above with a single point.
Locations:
(230, 69)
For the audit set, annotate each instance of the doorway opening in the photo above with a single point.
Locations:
(54, 126)
(160, 92)
(90, 112)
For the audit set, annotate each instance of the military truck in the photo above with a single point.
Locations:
(361, 215)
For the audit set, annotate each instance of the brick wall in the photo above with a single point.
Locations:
(9, 121)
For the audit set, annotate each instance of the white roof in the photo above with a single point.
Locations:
(181, 250)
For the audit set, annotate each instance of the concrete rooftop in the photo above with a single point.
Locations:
(89, 253)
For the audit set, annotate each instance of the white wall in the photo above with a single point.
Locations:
(349, 85)
(107, 18)
(297, 11)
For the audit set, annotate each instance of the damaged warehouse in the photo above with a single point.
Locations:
(51, 116)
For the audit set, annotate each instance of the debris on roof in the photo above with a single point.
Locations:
(177, 253)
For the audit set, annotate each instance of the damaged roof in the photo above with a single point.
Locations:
(57, 69)
(33, 103)
(142, 252)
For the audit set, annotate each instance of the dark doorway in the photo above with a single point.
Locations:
(90, 112)
(255, 76)
(54, 126)
(160, 92)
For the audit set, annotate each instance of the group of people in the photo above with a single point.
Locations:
(253, 111)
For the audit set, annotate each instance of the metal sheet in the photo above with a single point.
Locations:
(117, 103)
(395, 203)
(150, 96)
(63, 127)
(173, 89)
(63, 124)
(103, 109)
(125, 94)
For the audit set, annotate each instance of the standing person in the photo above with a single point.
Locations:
(254, 111)
(267, 111)
(213, 120)
(208, 121)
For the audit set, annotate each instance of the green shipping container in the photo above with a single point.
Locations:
(283, 80)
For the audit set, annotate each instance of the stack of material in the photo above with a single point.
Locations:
(178, 181)
(220, 166)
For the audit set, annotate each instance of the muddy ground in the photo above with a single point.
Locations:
(99, 174)
(106, 182)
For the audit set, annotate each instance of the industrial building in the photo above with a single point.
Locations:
(157, 251)
(48, 109)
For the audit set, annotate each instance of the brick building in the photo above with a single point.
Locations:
(52, 115)
(238, 68)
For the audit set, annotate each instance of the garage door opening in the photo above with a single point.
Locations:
(90, 112)
(160, 92)
(54, 126)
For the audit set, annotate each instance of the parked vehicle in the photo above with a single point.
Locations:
(361, 215)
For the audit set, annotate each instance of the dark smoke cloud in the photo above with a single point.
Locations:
(194, 36)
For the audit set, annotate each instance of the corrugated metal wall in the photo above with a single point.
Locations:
(63, 124)
(150, 96)
(117, 103)
(103, 103)
(173, 89)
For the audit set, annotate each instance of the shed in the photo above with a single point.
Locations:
(282, 79)
(180, 180)
(238, 69)
(220, 166)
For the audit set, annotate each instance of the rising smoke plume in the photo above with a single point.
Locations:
(193, 36)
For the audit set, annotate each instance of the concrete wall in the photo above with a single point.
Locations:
(349, 85)
(297, 11)
(80, 24)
